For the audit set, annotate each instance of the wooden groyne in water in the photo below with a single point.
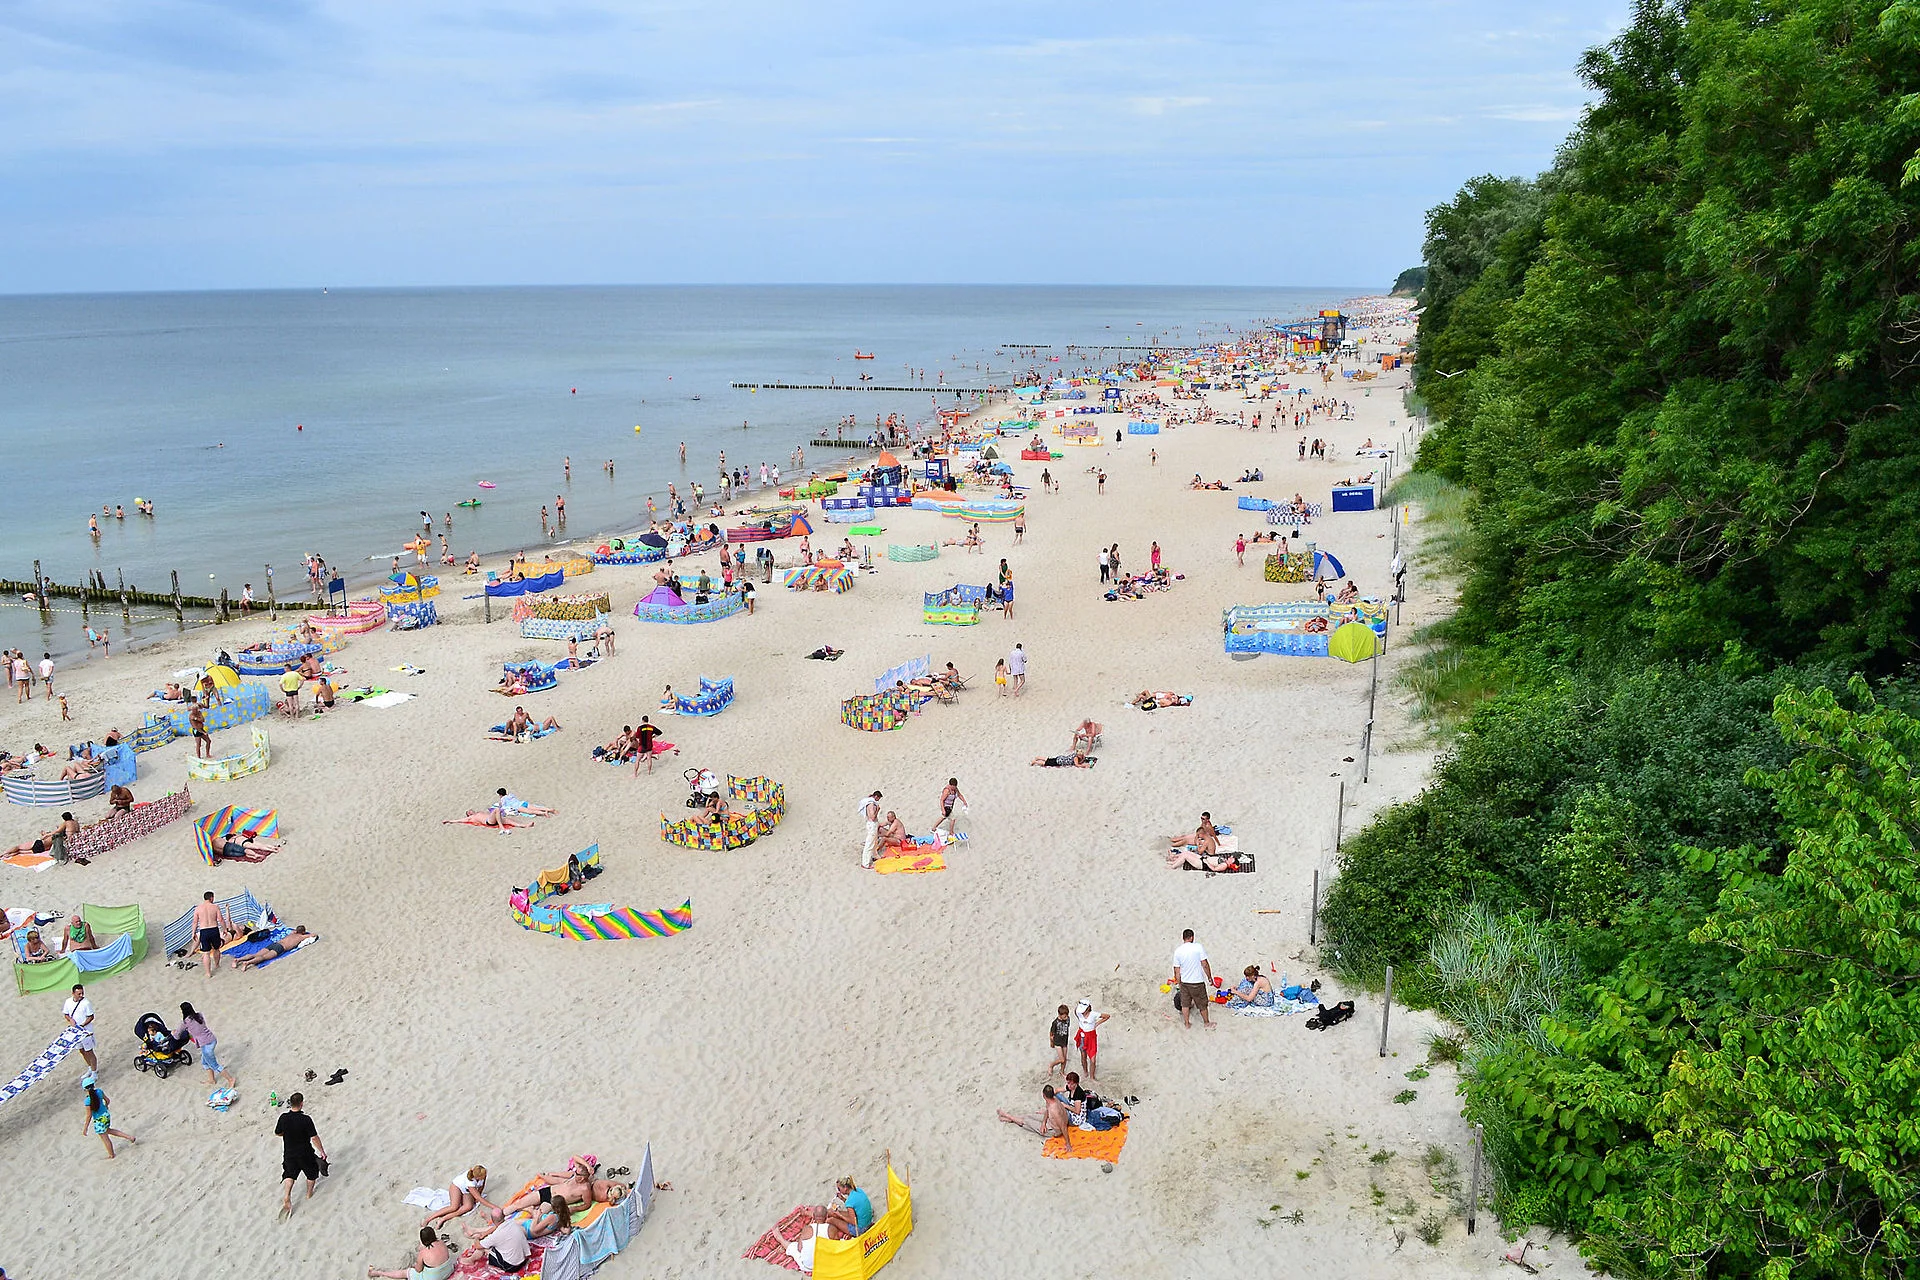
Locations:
(857, 386)
(44, 592)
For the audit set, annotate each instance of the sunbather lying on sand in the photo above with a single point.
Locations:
(511, 803)
(237, 848)
(74, 769)
(1194, 861)
(826, 653)
(276, 948)
(1078, 760)
(579, 1194)
(1149, 699)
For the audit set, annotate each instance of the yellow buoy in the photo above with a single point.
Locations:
(636, 430)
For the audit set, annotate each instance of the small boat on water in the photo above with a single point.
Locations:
(858, 354)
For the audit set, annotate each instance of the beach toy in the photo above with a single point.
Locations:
(470, 502)
(486, 484)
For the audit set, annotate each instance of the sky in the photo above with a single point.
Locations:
(200, 144)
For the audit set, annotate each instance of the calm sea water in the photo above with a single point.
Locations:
(265, 425)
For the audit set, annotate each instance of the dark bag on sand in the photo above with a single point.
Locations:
(1331, 1014)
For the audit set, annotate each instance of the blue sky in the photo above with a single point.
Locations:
(183, 144)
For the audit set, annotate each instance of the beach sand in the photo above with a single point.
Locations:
(816, 1013)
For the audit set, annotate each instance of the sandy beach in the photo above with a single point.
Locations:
(816, 1013)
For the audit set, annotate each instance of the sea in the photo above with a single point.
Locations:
(267, 425)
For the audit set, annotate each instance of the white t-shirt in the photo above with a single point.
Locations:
(1017, 662)
(509, 1240)
(46, 668)
(1088, 1021)
(81, 1011)
(1191, 961)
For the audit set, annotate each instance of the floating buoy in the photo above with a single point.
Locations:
(636, 429)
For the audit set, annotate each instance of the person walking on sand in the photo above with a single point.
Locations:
(949, 797)
(78, 1011)
(301, 1154)
(1086, 1035)
(870, 811)
(100, 1116)
(46, 668)
(1105, 565)
(1193, 975)
(210, 928)
(197, 725)
(194, 1027)
(1017, 668)
(1239, 548)
(1000, 675)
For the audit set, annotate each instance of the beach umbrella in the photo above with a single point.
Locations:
(1353, 642)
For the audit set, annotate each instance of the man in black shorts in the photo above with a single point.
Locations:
(643, 739)
(301, 1154)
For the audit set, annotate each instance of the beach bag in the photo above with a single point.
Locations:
(1331, 1015)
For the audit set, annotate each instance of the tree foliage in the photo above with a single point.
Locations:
(1677, 379)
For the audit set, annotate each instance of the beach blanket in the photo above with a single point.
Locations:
(772, 1247)
(531, 733)
(42, 1065)
(480, 820)
(385, 698)
(1089, 1144)
(477, 1268)
(28, 861)
(365, 694)
(428, 1198)
(910, 863)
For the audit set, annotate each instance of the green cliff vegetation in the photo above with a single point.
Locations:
(1409, 282)
(1666, 876)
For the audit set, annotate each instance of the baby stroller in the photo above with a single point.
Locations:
(159, 1052)
(704, 785)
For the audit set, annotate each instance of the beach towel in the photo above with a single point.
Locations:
(772, 1247)
(387, 699)
(1089, 1144)
(244, 949)
(531, 733)
(480, 820)
(910, 863)
(42, 1065)
(428, 1198)
(28, 861)
(362, 695)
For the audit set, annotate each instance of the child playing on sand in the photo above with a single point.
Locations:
(1000, 676)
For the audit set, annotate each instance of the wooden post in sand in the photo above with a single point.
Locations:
(1386, 1011)
(1473, 1183)
(121, 576)
(1313, 911)
(179, 614)
(1339, 813)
